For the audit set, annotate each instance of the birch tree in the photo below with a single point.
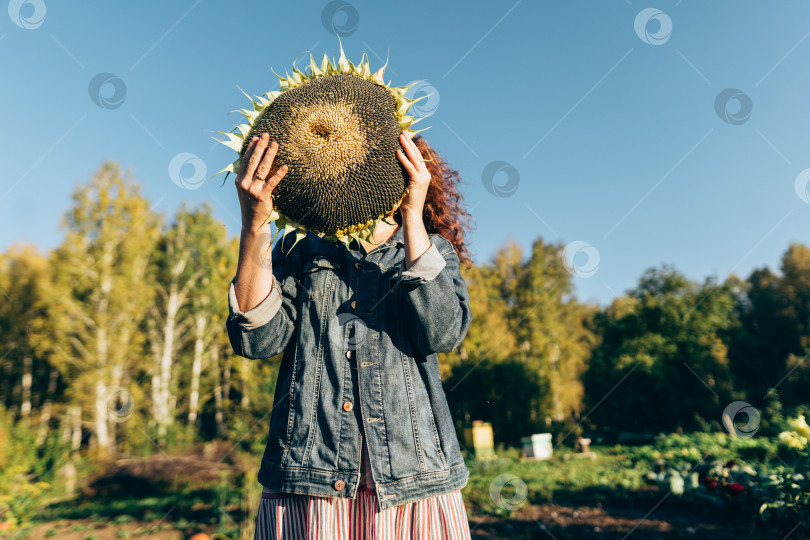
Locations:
(189, 270)
(209, 306)
(174, 272)
(101, 295)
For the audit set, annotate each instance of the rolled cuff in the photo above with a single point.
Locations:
(261, 314)
(424, 269)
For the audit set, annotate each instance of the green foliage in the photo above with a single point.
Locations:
(566, 433)
(189, 271)
(764, 473)
(771, 344)
(26, 328)
(700, 469)
(773, 420)
(489, 392)
(97, 276)
(27, 472)
(661, 361)
(555, 480)
(248, 426)
(523, 314)
(787, 501)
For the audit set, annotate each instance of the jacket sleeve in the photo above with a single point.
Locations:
(265, 330)
(435, 297)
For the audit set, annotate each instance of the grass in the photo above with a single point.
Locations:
(564, 476)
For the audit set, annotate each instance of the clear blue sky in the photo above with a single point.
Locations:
(610, 128)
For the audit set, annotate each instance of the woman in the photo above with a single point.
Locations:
(361, 441)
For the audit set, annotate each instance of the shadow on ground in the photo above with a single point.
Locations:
(608, 515)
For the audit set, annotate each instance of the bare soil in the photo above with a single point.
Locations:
(555, 522)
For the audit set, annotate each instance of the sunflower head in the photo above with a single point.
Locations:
(337, 127)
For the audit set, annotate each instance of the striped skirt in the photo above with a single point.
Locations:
(293, 517)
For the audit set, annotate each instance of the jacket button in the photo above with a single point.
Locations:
(353, 304)
(347, 406)
(357, 265)
(349, 354)
(339, 484)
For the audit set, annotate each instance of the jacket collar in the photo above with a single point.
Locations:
(397, 239)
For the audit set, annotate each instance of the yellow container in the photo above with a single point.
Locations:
(481, 439)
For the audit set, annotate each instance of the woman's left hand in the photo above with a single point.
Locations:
(414, 201)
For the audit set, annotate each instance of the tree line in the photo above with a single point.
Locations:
(115, 340)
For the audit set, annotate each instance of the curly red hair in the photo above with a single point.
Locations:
(444, 213)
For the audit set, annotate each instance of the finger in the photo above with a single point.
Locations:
(416, 162)
(256, 156)
(408, 139)
(273, 181)
(421, 157)
(406, 162)
(410, 148)
(267, 161)
(245, 157)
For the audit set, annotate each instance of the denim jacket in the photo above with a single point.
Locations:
(359, 335)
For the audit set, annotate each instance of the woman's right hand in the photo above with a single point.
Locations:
(253, 186)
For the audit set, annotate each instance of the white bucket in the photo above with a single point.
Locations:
(538, 446)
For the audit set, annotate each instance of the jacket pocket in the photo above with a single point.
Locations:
(319, 277)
